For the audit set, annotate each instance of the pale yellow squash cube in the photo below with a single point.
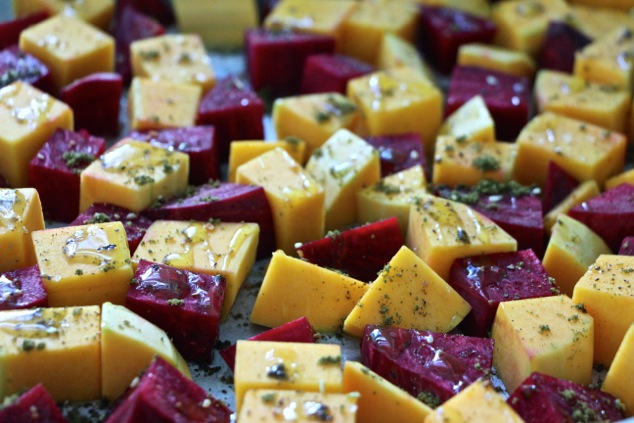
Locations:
(313, 118)
(96, 12)
(241, 152)
(607, 292)
(20, 215)
(222, 248)
(441, 231)
(619, 381)
(397, 53)
(626, 177)
(583, 150)
(293, 288)
(476, 7)
(344, 165)
(407, 293)
(550, 335)
(58, 347)
(583, 192)
(381, 401)
(70, 47)
(84, 265)
(471, 121)
(297, 201)
(553, 85)
(134, 175)
(125, 331)
(287, 365)
(596, 18)
(29, 117)
(497, 58)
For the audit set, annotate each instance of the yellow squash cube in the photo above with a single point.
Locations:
(84, 265)
(596, 18)
(58, 347)
(293, 288)
(471, 121)
(20, 215)
(607, 292)
(224, 248)
(29, 117)
(497, 58)
(553, 85)
(397, 53)
(619, 380)
(626, 177)
(69, 47)
(96, 12)
(343, 165)
(241, 152)
(583, 192)
(550, 335)
(134, 174)
(407, 293)
(297, 201)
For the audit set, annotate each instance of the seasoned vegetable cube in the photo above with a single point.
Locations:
(36, 403)
(560, 45)
(496, 58)
(95, 12)
(618, 381)
(399, 152)
(18, 65)
(241, 152)
(22, 288)
(324, 73)
(471, 121)
(584, 192)
(559, 185)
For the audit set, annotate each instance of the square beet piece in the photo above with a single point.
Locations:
(399, 152)
(17, 65)
(22, 288)
(561, 43)
(326, 73)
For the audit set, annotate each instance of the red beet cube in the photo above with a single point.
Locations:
(298, 330)
(275, 59)
(35, 405)
(508, 97)
(187, 305)
(561, 43)
(156, 9)
(225, 201)
(442, 30)
(96, 101)
(627, 246)
(198, 142)
(360, 252)
(399, 152)
(10, 30)
(487, 280)
(546, 399)
(54, 171)
(17, 65)
(428, 365)
(163, 394)
(326, 73)
(559, 184)
(22, 288)
(235, 110)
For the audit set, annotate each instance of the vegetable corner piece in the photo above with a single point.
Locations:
(22, 288)
(36, 404)
(619, 381)
(18, 65)
(94, 12)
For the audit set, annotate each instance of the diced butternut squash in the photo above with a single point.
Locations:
(553, 85)
(626, 177)
(496, 58)
(472, 121)
(397, 53)
(583, 192)
(596, 18)
(241, 152)
(96, 12)
(618, 381)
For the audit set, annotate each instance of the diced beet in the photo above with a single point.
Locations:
(627, 246)
(10, 30)
(35, 405)
(228, 202)
(298, 330)
(96, 101)
(399, 152)
(610, 215)
(135, 225)
(157, 9)
(275, 59)
(235, 110)
(54, 171)
(487, 280)
(547, 399)
(426, 364)
(186, 305)
(17, 65)
(558, 49)
(508, 97)
(442, 30)
(326, 73)
(22, 288)
(197, 141)
(559, 184)
(360, 252)
(163, 394)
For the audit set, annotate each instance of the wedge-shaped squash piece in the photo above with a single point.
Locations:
(581, 194)
(380, 400)
(343, 165)
(241, 152)
(58, 347)
(472, 121)
(551, 335)
(441, 231)
(407, 293)
(607, 292)
(397, 54)
(618, 381)
(496, 58)
(293, 288)
(571, 249)
(552, 85)
(626, 177)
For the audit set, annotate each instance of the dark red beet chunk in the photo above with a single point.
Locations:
(198, 142)
(235, 110)
(22, 288)
(507, 97)
(360, 252)
(546, 399)
(487, 280)
(412, 360)
(187, 305)
(326, 73)
(298, 330)
(16, 65)
(95, 100)
(558, 50)
(35, 405)
(164, 395)
(135, 225)
(610, 215)
(275, 59)
(54, 171)
(225, 201)
(559, 185)
(627, 246)
(399, 152)
(10, 30)
(442, 30)
(157, 9)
